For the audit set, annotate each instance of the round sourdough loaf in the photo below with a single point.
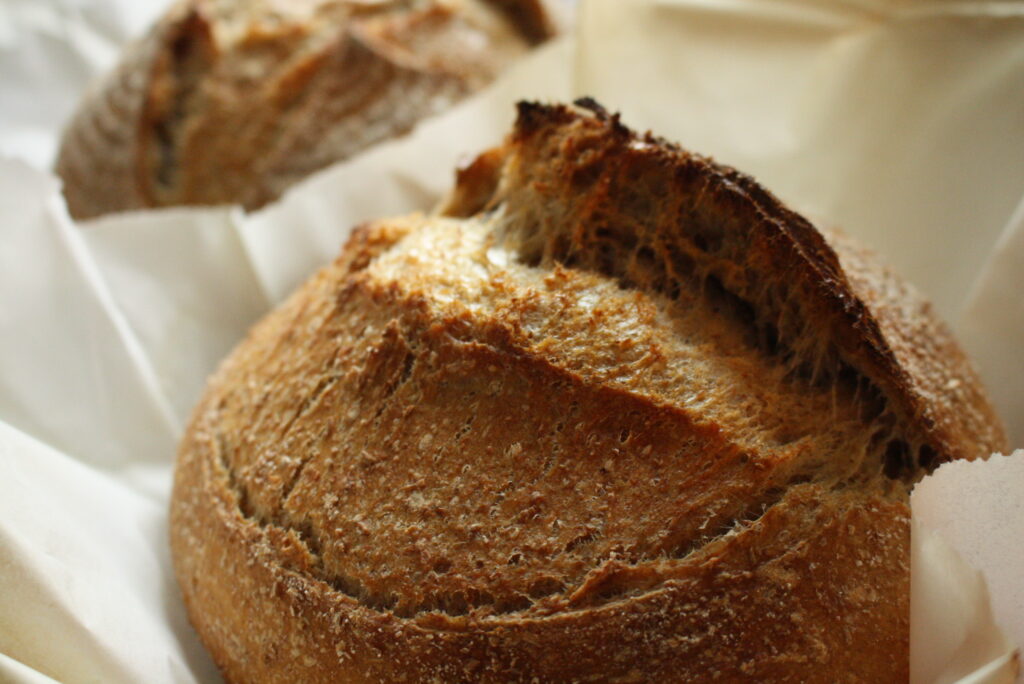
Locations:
(612, 413)
(233, 101)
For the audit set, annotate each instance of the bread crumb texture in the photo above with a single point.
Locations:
(612, 413)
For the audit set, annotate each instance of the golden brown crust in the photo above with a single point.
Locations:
(864, 316)
(230, 102)
(545, 422)
(943, 386)
(831, 608)
(255, 577)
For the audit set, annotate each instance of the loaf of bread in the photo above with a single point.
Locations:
(233, 101)
(612, 413)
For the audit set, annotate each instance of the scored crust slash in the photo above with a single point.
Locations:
(611, 413)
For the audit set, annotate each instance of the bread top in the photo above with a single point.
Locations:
(833, 313)
(603, 361)
(232, 102)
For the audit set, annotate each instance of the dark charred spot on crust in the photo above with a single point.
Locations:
(926, 458)
(592, 105)
(534, 116)
(897, 459)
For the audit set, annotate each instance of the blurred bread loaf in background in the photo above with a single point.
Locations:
(233, 101)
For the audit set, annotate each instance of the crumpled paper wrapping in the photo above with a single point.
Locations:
(978, 508)
(898, 121)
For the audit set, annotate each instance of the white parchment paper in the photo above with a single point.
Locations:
(903, 122)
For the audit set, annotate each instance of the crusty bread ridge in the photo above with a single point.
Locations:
(611, 414)
(232, 101)
(741, 239)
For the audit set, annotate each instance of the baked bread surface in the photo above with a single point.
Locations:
(611, 414)
(233, 101)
